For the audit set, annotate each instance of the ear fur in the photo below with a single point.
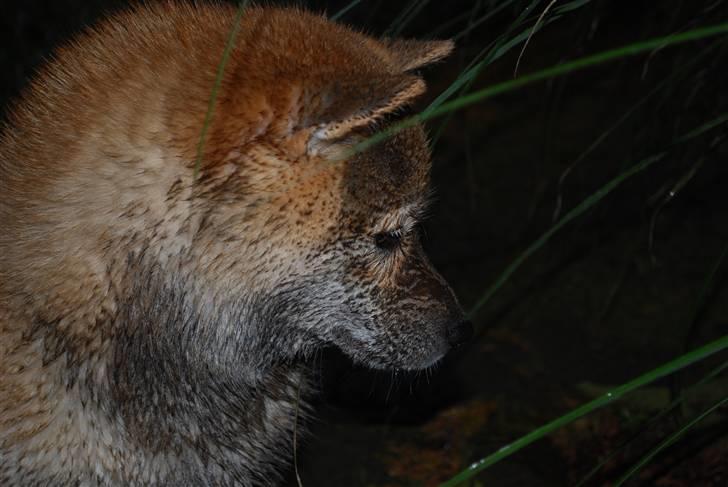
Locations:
(410, 54)
(344, 107)
(362, 106)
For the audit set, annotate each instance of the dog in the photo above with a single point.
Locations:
(166, 276)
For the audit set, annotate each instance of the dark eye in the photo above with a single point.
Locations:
(388, 240)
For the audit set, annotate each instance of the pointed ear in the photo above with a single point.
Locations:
(413, 54)
(335, 110)
(350, 106)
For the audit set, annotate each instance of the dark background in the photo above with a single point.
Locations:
(634, 282)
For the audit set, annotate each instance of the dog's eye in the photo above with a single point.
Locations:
(388, 240)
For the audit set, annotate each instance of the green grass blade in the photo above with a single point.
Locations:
(611, 396)
(537, 26)
(585, 205)
(704, 128)
(666, 82)
(502, 43)
(568, 7)
(667, 369)
(400, 18)
(578, 210)
(488, 55)
(708, 284)
(585, 62)
(484, 18)
(668, 441)
(344, 10)
(676, 402)
(410, 15)
(216, 87)
(466, 80)
(552, 72)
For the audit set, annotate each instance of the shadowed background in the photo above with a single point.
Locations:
(635, 281)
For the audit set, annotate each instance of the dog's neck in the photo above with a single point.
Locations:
(162, 400)
(196, 379)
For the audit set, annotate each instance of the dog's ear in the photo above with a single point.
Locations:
(410, 54)
(351, 106)
(336, 110)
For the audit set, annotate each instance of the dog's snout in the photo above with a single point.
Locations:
(460, 333)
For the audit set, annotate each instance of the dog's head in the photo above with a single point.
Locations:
(323, 235)
(284, 238)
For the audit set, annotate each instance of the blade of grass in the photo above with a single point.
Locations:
(669, 441)
(344, 10)
(676, 402)
(536, 27)
(578, 210)
(706, 290)
(487, 54)
(496, 49)
(464, 82)
(571, 6)
(485, 57)
(491, 13)
(444, 26)
(400, 18)
(582, 63)
(411, 15)
(666, 82)
(667, 369)
(216, 87)
(720, 120)
(611, 396)
(582, 207)
(708, 283)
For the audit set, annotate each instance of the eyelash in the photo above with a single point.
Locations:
(388, 241)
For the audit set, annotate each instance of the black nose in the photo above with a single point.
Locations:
(460, 333)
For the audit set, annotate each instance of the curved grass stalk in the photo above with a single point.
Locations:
(218, 81)
(536, 26)
(548, 73)
(409, 17)
(675, 403)
(668, 441)
(708, 284)
(586, 204)
(486, 56)
(345, 9)
(578, 210)
(666, 82)
(667, 369)
(671, 367)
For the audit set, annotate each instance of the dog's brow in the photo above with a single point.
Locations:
(405, 217)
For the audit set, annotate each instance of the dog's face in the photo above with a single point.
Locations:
(380, 299)
(286, 239)
(326, 238)
(336, 255)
